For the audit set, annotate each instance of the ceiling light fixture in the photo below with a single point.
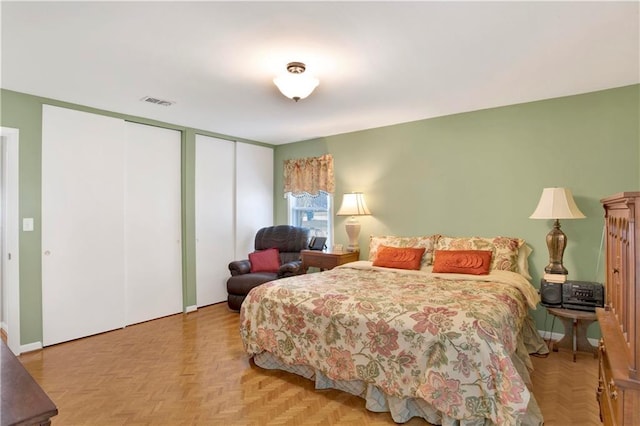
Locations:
(295, 84)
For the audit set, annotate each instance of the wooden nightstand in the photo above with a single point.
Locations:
(326, 260)
(575, 330)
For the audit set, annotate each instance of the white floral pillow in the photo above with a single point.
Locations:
(523, 261)
(505, 249)
(428, 242)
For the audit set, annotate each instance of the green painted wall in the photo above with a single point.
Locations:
(24, 112)
(478, 173)
(482, 173)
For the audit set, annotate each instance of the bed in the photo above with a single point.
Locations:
(451, 348)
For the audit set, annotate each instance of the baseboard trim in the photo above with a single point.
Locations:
(191, 308)
(548, 335)
(30, 347)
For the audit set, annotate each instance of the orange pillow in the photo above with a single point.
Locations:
(399, 257)
(265, 260)
(475, 262)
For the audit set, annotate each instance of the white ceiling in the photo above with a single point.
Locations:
(379, 63)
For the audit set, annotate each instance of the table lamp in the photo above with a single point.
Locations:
(556, 204)
(353, 205)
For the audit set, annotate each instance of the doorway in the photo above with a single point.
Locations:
(9, 235)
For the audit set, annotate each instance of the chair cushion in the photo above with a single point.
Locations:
(265, 260)
(242, 284)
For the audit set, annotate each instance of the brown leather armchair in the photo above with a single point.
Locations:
(289, 240)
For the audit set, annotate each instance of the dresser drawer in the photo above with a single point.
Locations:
(607, 392)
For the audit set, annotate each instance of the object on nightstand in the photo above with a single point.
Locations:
(555, 278)
(550, 294)
(353, 205)
(556, 203)
(576, 295)
(582, 295)
(317, 243)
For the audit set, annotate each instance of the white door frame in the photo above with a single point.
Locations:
(10, 235)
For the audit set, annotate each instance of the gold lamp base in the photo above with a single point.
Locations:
(556, 243)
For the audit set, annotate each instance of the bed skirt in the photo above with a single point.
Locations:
(403, 409)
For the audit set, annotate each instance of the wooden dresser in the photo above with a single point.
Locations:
(619, 350)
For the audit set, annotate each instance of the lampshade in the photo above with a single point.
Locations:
(295, 84)
(353, 204)
(556, 203)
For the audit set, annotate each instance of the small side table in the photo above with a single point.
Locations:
(575, 330)
(326, 260)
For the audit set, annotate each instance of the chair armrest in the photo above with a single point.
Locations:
(290, 269)
(240, 267)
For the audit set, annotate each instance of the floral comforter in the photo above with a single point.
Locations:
(447, 339)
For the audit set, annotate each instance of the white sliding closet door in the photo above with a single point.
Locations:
(82, 224)
(254, 194)
(214, 217)
(153, 250)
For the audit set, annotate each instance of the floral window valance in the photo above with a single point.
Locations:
(309, 175)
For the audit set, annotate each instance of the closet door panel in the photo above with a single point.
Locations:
(254, 194)
(152, 249)
(214, 217)
(82, 224)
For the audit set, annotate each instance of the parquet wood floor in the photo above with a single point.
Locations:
(190, 369)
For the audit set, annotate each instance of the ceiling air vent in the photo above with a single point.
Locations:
(157, 101)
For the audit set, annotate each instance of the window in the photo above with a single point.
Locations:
(314, 212)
